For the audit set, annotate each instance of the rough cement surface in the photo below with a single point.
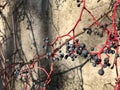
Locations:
(64, 14)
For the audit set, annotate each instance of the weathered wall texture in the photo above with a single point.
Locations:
(61, 18)
(27, 21)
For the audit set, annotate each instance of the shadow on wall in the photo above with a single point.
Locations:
(41, 6)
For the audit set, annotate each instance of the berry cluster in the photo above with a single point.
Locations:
(17, 70)
(75, 49)
(46, 42)
(89, 31)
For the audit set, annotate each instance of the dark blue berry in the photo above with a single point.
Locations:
(84, 53)
(66, 56)
(78, 1)
(82, 46)
(92, 48)
(61, 55)
(101, 72)
(89, 31)
(79, 52)
(113, 51)
(84, 29)
(106, 59)
(78, 5)
(94, 64)
(108, 64)
(105, 65)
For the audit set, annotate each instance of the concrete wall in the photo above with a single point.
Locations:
(53, 18)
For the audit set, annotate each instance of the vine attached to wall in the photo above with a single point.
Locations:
(25, 70)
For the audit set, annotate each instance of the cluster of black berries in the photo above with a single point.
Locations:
(97, 61)
(104, 26)
(106, 62)
(78, 3)
(48, 55)
(109, 51)
(89, 31)
(113, 45)
(17, 72)
(100, 34)
(72, 51)
(60, 56)
(75, 49)
(46, 43)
